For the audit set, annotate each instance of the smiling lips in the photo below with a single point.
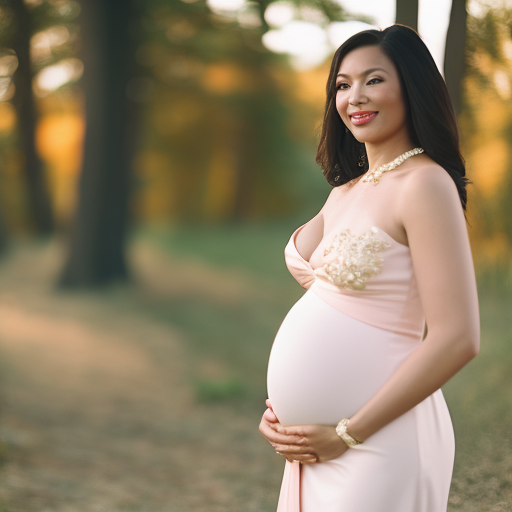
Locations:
(362, 117)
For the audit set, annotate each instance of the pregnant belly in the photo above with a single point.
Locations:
(324, 365)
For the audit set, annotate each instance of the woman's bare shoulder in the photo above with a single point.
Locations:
(428, 175)
(428, 189)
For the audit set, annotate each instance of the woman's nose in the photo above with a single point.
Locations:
(356, 96)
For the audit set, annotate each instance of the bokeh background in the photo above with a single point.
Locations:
(142, 277)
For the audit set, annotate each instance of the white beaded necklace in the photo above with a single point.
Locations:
(374, 177)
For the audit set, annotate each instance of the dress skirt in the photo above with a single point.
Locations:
(324, 366)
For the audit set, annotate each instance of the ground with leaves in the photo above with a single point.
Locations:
(98, 411)
(145, 397)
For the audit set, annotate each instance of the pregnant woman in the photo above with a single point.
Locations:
(391, 310)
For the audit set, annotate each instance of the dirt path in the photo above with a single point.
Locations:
(97, 413)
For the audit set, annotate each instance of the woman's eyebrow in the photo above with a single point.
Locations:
(365, 72)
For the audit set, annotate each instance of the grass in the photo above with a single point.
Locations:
(256, 248)
(203, 317)
(236, 336)
(239, 338)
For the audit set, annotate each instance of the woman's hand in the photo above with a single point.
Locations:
(304, 443)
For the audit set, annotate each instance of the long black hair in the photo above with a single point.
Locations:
(431, 121)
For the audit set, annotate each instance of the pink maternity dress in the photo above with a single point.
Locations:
(360, 317)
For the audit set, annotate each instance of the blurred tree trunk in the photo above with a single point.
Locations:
(407, 13)
(97, 243)
(23, 101)
(3, 236)
(455, 53)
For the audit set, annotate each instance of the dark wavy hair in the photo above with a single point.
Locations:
(430, 118)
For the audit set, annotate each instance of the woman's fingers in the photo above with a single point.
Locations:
(307, 444)
(310, 460)
(291, 449)
(290, 442)
(270, 416)
(275, 437)
(300, 431)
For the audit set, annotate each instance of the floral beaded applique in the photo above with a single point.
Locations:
(350, 260)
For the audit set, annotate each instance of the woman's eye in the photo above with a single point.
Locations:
(344, 85)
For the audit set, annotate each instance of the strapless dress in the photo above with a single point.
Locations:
(360, 317)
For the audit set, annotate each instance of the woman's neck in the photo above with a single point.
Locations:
(384, 153)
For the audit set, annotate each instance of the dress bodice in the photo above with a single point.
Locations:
(367, 275)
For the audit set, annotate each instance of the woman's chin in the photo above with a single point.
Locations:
(361, 138)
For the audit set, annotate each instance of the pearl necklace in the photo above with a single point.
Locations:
(374, 177)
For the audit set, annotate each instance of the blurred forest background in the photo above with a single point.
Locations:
(142, 277)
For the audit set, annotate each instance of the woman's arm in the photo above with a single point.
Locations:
(431, 212)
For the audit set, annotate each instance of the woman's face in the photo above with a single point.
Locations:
(368, 82)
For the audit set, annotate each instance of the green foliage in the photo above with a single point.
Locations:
(219, 390)
(484, 33)
(488, 77)
(246, 116)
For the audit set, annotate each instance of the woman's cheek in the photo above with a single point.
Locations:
(343, 116)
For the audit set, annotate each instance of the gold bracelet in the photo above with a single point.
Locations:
(347, 438)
